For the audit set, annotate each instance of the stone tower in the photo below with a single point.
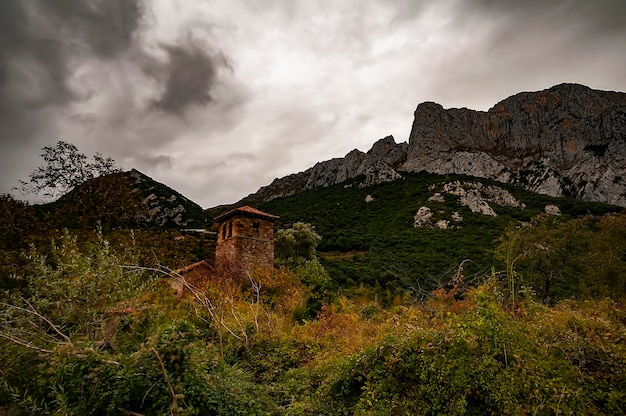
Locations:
(245, 240)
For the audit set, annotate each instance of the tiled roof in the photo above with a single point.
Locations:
(193, 266)
(246, 210)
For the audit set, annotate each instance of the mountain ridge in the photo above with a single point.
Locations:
(127, 198)
(567, 140)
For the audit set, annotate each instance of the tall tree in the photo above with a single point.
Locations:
(549, 254)
(65, 168)
(295, 245)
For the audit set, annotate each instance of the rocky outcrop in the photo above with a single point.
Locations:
(552, 210)
(159, 214)
(164, 207)
(489, 193)
(566, 140)
(378, 165)
(474, 195)
(424, 217)
(477, 196)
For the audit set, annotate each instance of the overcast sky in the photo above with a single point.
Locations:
(218, 98)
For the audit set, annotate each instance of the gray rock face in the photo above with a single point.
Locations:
(422, 217)
(552, 210)
(161, 205)
(477, 196)
(159, 214)
(566, 140)
(378, 165)
(474, 195)
(437, 197)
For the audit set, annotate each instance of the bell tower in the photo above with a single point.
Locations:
(245, 240)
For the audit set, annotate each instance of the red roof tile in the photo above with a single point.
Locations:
(246, 210)
(193, 266)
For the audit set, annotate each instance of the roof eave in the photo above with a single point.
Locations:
(244, 212)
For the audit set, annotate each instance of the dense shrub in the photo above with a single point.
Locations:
(482, 359)
(87, 331)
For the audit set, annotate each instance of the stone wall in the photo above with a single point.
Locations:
(244, 243)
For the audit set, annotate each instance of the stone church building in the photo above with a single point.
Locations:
(245, 241)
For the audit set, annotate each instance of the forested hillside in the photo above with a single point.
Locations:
(370, 237)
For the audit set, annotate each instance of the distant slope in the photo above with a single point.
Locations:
(377, 243)
(378, 165)
(568, 140)
(165, 206)
(125, 199)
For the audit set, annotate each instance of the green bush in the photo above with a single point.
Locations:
(483, 360)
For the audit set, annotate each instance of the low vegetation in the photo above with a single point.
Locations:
(90, 331)
(373, 246)
(363, 314)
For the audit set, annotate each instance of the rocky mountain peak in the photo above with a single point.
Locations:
(378, 165)
(388, 151)
(568, 139)
(565, 140)
(382, 147)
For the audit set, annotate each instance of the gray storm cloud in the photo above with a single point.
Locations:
(41, 42)
(45, 47)
(582, 19)
(40, 39)
(188, 76)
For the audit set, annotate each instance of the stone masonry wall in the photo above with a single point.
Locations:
(244, 243)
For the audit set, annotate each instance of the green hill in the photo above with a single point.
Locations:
(124, 199)
(376, 244)
(130, 209)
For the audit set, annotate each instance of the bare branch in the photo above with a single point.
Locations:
(24, 343)
(174, 405)
(34, 312)
(65, 167)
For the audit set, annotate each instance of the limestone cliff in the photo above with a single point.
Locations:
(566, 140)
(378, 165)
(162, 206)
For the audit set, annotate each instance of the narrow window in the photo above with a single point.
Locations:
(256, 229)
(230, 229)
